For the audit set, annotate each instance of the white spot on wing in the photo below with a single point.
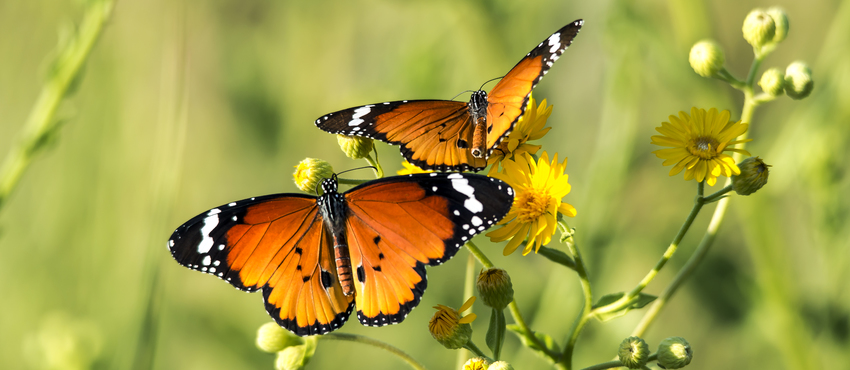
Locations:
(358, 114)
(554, 42)
(462, 185)
(209, 224)
(207, 260)
(476, 221)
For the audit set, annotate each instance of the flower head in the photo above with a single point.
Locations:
(706, 58)
(697, 144)
(310, 172)
(781, 21)
(754, 173)
(540, 186)
(759, 28)
(494, 285)
(773, 81)
(674, 353)
(410, 169)
(354, 147)
(633, 353)
(529, 127)
(273, 338)
(476, 363)
(798, 80)
(448, 328)
(500, 365)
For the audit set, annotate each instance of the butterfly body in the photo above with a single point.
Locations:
(317, 258)
(446, 135)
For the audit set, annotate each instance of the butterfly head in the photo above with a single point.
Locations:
(330, 186)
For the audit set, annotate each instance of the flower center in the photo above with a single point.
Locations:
(704, 147)
(531, 205)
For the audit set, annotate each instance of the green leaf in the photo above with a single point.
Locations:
(309, 348)
(638, 302)
(496, 332)
(545, 339)
(557, 256)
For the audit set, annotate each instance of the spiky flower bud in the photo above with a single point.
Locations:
(272, 338)
(773, 81)
(291, 358)
(310, 172)
(448, 328)
(759, 28)
(674, 353)
(780, 19)
(798, 80)
(354, 147)
(753, 176)
(494, 285)
(500, 365)
(633, 352)
(476, 363)
(706, 58)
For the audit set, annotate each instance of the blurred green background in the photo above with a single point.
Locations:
(185, 105)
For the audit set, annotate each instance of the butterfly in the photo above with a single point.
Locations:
(316, 258)
(445, 135)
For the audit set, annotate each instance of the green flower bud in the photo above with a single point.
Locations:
(500, 365)
(291, 358)
(272, 338)
(674, 353)
(781, 21)
(759, 28)
(475, 363)
(706, 58)
(773, 82)
(495, 287)
(753, 176)
(354, 147)
(798, 80)
(634, 352)
(448, 328)
(310, 172)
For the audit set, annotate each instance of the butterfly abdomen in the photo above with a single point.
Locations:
(333, 209)
(478, 111)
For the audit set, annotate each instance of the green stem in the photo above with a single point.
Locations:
(468, 291)
(586, 312)
(528, 334)
(719, 194)
(627, 298)
(40, 123)
(350, 181)
(479, 254)
(379, 171)
(375, 343)
(474, 349)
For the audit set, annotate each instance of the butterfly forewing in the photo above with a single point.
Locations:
(399, 225)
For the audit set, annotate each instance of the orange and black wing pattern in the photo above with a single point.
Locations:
(277, 243)
(507, 101)
(396, 226)
(433, 134)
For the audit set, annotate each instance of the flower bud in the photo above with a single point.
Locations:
(773, 82)
(706, 58)
(448, 328)
(475, 363)
(354, 147)
(291, 358)
(759, 28)
(780, 19)
(634, 352)
(272, 338)
(310, 172)
(674, 353)
(500, 365)
(495, 287)
(753, 176)
(798, 80)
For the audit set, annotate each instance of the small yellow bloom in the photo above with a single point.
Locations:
(539, 186)
(310, 172)
(448, 328)
(529, 127)
(476, 363)
(410, 169)
(698, 142)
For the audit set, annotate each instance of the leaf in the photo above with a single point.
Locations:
(638, 302)
(545, 339)
(496, 332)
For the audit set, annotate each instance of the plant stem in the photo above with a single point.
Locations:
(586, 311)
(479, 254)
(468, 291)
(40, 123)
(379, 171)
(474, 349)
(375, 343)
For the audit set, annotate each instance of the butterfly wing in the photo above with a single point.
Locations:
(433, 134)
(507, 101)
(396, 226)
(277, 243)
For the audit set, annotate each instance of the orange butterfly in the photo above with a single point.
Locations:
(446, 135)
(316, 257)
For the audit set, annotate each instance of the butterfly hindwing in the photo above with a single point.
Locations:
(508, 100)
(396, 226)
(275, 242)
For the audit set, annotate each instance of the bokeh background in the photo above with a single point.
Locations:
(185, 105)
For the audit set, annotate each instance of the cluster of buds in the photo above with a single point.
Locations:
(291, 350)
(673, 353)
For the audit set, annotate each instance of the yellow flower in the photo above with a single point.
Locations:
(530, 127)
(410, 169)
(310, 172)
(448, 328)
(698, 142)
(476, 363)
(540, 187)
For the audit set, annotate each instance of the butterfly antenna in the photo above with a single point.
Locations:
(355, 169)
(461, 93)
(489, 81)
